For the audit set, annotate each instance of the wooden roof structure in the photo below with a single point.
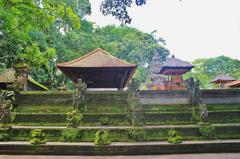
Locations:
(8, 76)
(233, 84)
(99, 69)
(175, 66)
(222, 78)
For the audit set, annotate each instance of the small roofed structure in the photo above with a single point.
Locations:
(222, 79)
(99, 69)
(233, 84)
(174, 68)
(8, 77)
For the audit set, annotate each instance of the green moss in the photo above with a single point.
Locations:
(42, 109)
(137, 134)
(208, 132)
(70, 135)
(106, 109)
(30, 79)
(166, 108)
(74, 118)
(37, 137)
(45, 93)
(223, 107)
(174, 137)
(4, 134)
(102, 138)
(104, 120)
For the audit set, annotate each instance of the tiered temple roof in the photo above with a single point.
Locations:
(99, 69)
(175, 66)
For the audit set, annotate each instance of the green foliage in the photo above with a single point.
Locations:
(37, 137)
(133, 86)
(70, 135)
(31, 29)
(19, 18)
(4, 135)
(207, 69)
(102, 138)
(74, 118)
(7, 101)
(137, 134)
(134, 104)
(208, 132)
(195, 115)
(118, 9)
(174, 137)
(104, 120)
(125, 42)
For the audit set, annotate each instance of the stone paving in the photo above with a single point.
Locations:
(175, 156)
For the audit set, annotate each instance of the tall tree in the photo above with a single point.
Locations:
(119, 9)
(208, 68)
(20, 17)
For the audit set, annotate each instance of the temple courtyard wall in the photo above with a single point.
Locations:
(167, 97)
(162, 111)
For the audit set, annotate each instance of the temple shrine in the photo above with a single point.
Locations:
(99, 69)
(168, 76)
(221, 81)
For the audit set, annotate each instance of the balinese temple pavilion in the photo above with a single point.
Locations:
(221, 80)
(168, 75)
(99, 69)
(174, 68)
(233, 84)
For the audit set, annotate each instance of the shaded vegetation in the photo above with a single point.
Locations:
(206, 69)
(70, 135)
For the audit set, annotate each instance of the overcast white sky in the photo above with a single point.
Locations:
(192, 28)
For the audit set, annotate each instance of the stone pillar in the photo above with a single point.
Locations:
(79, 94)
(21, 74)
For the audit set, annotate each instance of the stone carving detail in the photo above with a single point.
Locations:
(6, 106)
(203, 113)
(193, 91)
(195, 99)
(79, 94)
(135, 106)
(21, 75)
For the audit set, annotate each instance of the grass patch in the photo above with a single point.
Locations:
(223, 107)
(166, 108)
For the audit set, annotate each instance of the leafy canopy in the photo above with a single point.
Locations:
(207, 69)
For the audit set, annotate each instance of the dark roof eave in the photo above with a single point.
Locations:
(163, 68)
(98, 67)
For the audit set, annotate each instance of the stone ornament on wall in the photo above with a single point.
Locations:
(79, 93)
(194, 93)
(21, 75)
(195, 99)
(134, 104)
(6, 106)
